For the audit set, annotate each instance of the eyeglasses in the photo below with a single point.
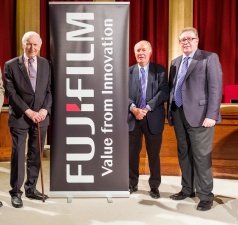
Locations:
(189, 39)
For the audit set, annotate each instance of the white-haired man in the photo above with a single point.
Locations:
(28, 87)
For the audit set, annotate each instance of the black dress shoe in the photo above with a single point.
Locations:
(204, 205)
(133, 189)
(35, 195)
(0, 204)
(16, 201)
(154, 193)
(181, 195)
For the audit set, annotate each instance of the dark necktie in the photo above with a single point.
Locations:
(32, 73)
(180, 79)
(142, 103)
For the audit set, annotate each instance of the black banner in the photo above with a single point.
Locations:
(89, 52)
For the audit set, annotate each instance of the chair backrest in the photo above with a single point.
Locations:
(231, 93)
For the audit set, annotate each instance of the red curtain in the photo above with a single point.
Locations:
(7, 31)
(216, 21)
(217, 24)
(149, 21)
(44, 28)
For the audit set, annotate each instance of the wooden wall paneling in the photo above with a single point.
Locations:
(5, 138)
(225, 146)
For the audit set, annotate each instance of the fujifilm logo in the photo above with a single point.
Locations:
(83, 33)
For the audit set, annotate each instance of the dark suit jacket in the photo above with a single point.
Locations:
(156, 94)
(201, 90)
(20, 92)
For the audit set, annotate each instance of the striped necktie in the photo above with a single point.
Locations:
(142, 103)
(178, 89)
(32, 73)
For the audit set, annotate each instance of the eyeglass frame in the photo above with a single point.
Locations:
(189, 39)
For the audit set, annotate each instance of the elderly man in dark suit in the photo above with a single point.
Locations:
(148, 90)
(195, 82)
(28, 87)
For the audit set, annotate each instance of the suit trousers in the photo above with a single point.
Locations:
(194, 155)
(19, 137)
(153, 144)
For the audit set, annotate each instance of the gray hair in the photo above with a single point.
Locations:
(192, 29)
(146, 43)
(29, 34)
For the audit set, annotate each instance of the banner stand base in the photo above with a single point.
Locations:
(69, 200)
(109, 195)
(109, 200)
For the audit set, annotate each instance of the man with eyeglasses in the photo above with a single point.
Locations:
(195, 81)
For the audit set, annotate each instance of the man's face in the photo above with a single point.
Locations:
(188, 42)
(32, 46)
(142, 53)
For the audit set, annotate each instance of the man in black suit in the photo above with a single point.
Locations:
(1, 100)
(28, 87)
(148, 90)
(195, 82)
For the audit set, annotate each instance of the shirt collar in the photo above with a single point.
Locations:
(146, 67)
(190, 55)
(26, 58)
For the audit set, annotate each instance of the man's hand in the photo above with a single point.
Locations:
(209, 122)
(139, 113)
(43, 113)
(36, 117)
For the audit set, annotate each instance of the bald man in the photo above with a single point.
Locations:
(148, 90)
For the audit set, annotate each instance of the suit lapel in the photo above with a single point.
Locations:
(150, 79)
(177, 64)
(193, 63)
(22, 67)
(191, 67)
(38, 77)
(136, 77)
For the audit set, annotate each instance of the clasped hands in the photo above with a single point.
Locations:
(139, 113)
(36, 117)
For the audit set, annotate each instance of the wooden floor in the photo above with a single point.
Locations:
(138, 209)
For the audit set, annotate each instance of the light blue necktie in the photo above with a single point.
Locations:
(142, 103)
(32, 73)
(180, 79)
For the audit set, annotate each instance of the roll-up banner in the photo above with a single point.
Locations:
(89, 53)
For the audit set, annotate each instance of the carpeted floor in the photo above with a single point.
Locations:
(138, 209)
